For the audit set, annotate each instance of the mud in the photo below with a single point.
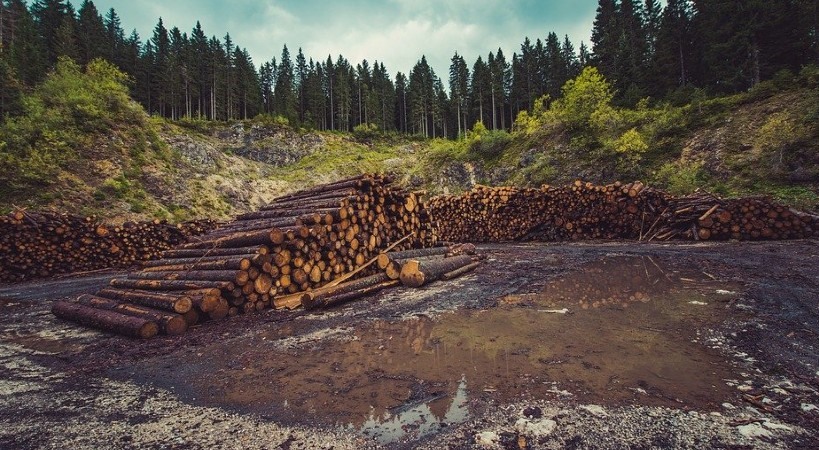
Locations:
(599, 345)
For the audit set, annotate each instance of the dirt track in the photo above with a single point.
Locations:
(594, 345)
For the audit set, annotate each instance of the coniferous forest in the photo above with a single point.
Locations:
(644, 49)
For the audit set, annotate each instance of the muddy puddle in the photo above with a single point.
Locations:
(617, 331)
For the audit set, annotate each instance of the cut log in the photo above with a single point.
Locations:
(339, 298)
(169, 323)
(416, 274)
(178, 303)
(460, 271)
(171, 285)
(105, 320)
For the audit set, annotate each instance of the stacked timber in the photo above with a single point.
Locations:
(579, 211)
(301, 242)
(35, 245)
(706, 217)
(614, 211)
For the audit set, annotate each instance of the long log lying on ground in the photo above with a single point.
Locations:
(171, 285)
(169, 323)
(342, 297)
(417, 273)
(110, 321)
(178, 303)
(316, 297)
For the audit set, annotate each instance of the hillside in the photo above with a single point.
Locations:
(101, 154)
(765, 141)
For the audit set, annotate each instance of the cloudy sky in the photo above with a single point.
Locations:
(395, 32)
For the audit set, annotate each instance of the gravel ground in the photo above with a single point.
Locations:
(745, 313)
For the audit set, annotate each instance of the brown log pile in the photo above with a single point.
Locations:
(579, 211)
(614, 211)
(305, 248)
(37, 245)
(706, 217)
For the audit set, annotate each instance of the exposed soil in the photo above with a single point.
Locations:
(593, 345)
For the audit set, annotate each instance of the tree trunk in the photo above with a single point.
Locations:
(110, 321)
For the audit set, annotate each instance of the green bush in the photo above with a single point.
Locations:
(366, 131)
(681, 178)
(61, 119)
(489, 145)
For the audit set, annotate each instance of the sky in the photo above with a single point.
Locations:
(395, 32)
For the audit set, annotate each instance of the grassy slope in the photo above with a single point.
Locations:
(762, 142)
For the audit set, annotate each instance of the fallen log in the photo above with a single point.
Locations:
(169, 323)
(111, 321)
(171, 285)
(178, 303)
(339, 298)
(417, 273)
(460, 271)
(315, 297)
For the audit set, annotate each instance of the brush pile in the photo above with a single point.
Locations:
(37, 245)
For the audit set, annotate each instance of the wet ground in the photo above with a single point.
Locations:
(544, 346)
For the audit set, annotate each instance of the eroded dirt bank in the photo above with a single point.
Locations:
(594, 345)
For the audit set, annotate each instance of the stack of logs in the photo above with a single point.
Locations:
(301, 250)
(579, 211)
(704, 217)
(34, 245)
(613, 211)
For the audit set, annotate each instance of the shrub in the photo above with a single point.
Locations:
(680, 177)
(365, 131)
(60, 119)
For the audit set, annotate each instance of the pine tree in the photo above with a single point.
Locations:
(674, 49)
(401, 109)
(631, 64)
(65, 43)
(284, 93)
(558, 71)
(480, 90)
(385, 95)
(160, 69)
(91, 33)
(49, 16)
(605, 38)
(26, 55)
(652, 19)
(114, 41)
(500, 72)
(459, 90)
(301, 80)
(198, 58)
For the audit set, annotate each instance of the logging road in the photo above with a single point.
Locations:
(588, 345)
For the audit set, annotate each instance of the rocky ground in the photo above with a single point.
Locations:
(593, 345)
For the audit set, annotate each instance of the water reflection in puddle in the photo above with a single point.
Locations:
(622, 335)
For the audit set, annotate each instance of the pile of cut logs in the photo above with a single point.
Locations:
(304, 249)
(614, 211)
(704, 217)
(579, 211)
(36, 245)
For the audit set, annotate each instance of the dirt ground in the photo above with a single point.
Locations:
(590, 345)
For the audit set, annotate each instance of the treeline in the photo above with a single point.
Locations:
(720, 46)
(644, 49)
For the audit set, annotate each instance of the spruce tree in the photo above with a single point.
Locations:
(284, 97)
(91, 33)
(459, 90)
